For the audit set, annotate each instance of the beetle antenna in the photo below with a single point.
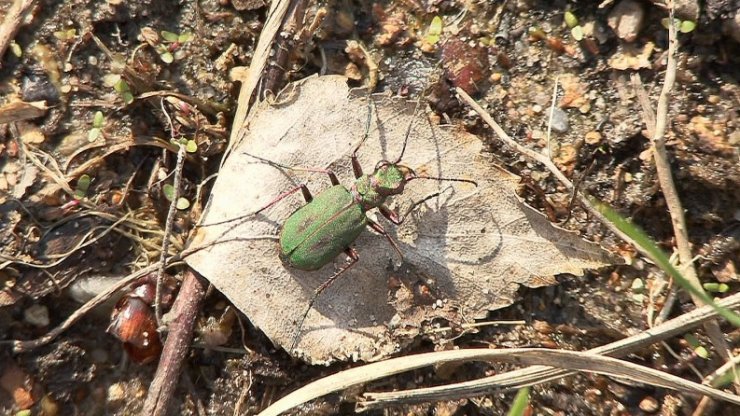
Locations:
(440, 178)
(370, 105)
(408, 131)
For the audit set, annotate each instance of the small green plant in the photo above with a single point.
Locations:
(16, 49)
(435, 30)
(576, 30)
(695, 345)
(683, 26)
(97, 129)
(83, 184)
(190, 145)
(169, 193)
(122, 88)
(170, 49)
(715, 287)
(66, 35)
(520, 403)
(638, 290)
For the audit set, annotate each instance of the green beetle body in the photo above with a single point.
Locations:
(317, 232)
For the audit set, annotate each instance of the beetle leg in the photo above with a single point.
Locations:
(379, 229)
(356, 167)
(351, 261)
(390, 214)
(303, 188)
(393, 216)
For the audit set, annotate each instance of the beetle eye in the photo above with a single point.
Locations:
(381, 164)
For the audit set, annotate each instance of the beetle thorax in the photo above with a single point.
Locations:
(388, 179)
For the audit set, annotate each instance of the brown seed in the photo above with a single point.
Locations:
(465, 65)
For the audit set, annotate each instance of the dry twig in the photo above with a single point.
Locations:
(12, 22)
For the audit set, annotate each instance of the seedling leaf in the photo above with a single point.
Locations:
(98, 119)
(167, 57)
(577, 33)
(182, 204)
(168, 191)
(435, 30)
(687, 26)
(570, 19)
(520, 403)
(169, 36)
(191, 146)
(83, 184)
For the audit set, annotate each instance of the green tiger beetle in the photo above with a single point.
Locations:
(315, 234)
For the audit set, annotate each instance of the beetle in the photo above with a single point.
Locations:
(327, 225)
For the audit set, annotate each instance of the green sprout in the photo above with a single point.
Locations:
(715, 287)
(169, 193)
(97, 130)
(66, 35)
(122, 88)
(190, 145)
(520, 403)
(683, 26)
(83, 184)
(576, 30)
(172, 43)
(435, 30)
(695, 345)
(638, 290)
(16, 49)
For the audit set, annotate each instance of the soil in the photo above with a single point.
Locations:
(507, 56)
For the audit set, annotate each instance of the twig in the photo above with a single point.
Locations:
(168, 232)
(184, 312)
(278, 9)
(545, 161)
(11, 23)
(667, 185)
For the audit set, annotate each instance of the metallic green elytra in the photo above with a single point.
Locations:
(319, 231)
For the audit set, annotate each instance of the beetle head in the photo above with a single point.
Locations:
(391, 177)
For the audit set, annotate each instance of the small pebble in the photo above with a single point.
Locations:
(37, 315)
(537, 108)
(116, 394)
(649, 404)
(559, 120)
(626, 19)
(593, 137)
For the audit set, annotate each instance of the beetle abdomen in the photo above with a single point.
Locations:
(319, 231)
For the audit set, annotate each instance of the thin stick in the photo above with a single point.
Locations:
(540, 374)
(168, 231)
(184, 312)
(12, 22)
(548, 164)
(673, 201)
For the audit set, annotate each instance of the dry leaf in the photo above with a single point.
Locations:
(21, 110)
(471, 246)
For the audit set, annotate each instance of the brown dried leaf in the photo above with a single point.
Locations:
(474, 245)
(21, 110)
